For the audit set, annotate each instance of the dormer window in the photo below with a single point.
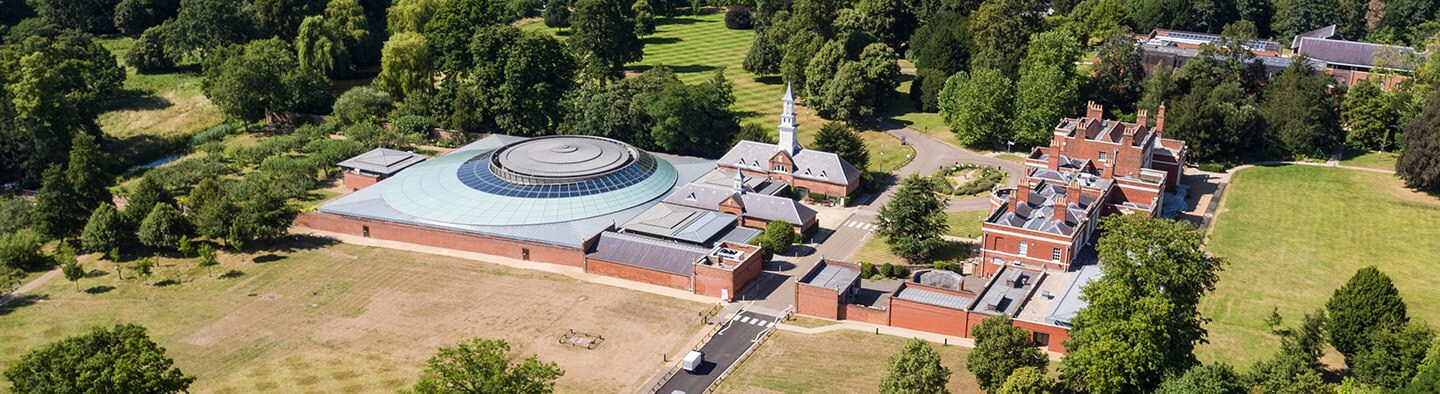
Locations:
(807, 171)
(822, 173)
(690, 197)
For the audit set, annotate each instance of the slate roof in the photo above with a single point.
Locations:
(739, 235)
(932, 297)
(938, 279)
(1001, 297)
(831, 277)
(645, 252)
(809, 164)
(381, 161)
(1351, 53)
(758, 206)
(1036, 213)
(1069, 302)
(1324, 32)
(680, 222)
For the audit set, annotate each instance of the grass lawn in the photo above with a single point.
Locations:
(1011, 157)
(894, 155)
(155, 105)
(1293, 234)
(841, 361)
(964, 224)
(306, 316)
(875, 251)
(1370, 159)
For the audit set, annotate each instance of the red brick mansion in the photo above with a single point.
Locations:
(1093, 167)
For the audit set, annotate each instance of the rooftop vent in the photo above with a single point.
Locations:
(1046, 294)
(728, 253)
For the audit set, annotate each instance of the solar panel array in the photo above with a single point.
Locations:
(477, 174)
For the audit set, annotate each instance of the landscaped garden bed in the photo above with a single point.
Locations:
(965, 179)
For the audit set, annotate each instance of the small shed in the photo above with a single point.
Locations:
(370, 167)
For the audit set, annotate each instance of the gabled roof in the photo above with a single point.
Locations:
(381, 161)
(1353, 54)
(809, 164)
(1037, 213)
(758, 206)
(1327, 32)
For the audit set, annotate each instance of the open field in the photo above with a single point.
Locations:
(308, 316)
(1370, 159)
(964, 224)
(1293, 234)
(841, 361)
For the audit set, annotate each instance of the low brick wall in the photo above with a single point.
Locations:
(356, 181)
(928, 318)
(867, 315)
(442, 238)
(637, 274)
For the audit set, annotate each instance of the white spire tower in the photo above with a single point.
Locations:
(788, 142)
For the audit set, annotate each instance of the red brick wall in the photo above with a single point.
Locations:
(636, 274)
(1057, 335)
(757, 223)
(442, 238)
(868, 315)
(814, 186)
(1038, 251)
(817, 301)
(928, 318)
(356, 181)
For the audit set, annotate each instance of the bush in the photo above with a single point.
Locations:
(945, 266)
(867, 270)
(926, 89)
(739, 17)
(215, 133)
(148, 55)
(363, 104)
(411, 124)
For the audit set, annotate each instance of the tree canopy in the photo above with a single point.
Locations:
(913, 221)
(483, 366)
(916, 369)
(1366, 303)
(840, 139)
(262, 76)
(978, 107)
(121, 359)
(449, 31)
(1000, 349)
(604, 38)
(1419, 163)
(405, 66)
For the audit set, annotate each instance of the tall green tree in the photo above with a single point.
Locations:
(1419, 163)
(163, 227)
(87, 172)
(916, 369)
(978, 107)
(889, 21)
(90, 16)
(557, 14)
(121, 359)
(349, 20)
(1298, 16)
(644, 18)
(149, 55)
(1043, 95)
(694, 119)
(15, 214)
(211, 209)
(617, 110)
(405, 66)
(1159, 87)
(204, 25)
(1392, 354)
(58, 211)
(778, 236)
(319, 48)
(1427, 374)
(913, 221)
(767, 50)
(1000, 349)
(106, 230)
(54, 88)
(484, 366)
(1302, 110)
(449, 31)
(262, 76)
(1119, 75)
(1027, 380)
(604, 38)
(411, 15)
(840, 139)
(1002, 30)
(1366, 303)
(1142, 321)
(72, 269)
(943, 43)
(1371, 116)
(146, 193)
(1219, 122)
(517, 86)
(20, 251)
(135, 16)
(282, 18)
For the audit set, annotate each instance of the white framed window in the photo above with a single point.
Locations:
(1103, 156)
(1023, 248)
(1055, 254)
(779, 167)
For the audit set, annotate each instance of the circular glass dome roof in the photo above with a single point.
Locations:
(535, 181)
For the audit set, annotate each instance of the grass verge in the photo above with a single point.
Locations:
(841, 361)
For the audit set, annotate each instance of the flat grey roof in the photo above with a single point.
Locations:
(681, 222)
(381, 161)
(1069, 302)
(739, 234)
(832, 277)
(1006, 298)
(931, 297)
(565, 156)
(645, 252)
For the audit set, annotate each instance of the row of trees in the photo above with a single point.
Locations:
(123, 359)
(986, 108)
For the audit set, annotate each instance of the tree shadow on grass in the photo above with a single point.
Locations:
(138, 100)
(20, 301)
(99, 290)
(677, 20)
(661, 40)
(291, 244)
(267, 258)
(232, 274)
(770, 80)
(167, 282)
(97, 273)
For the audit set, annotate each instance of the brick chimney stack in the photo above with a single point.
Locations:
(1160, 120)
(1141, 117)
(1054, 163)
(1072, 191)
(1021, 194)
(1061, 206)
(1094, 111)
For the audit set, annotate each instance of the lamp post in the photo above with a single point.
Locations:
(1008, 145)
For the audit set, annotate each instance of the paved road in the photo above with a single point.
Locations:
(721, 351)
(931, 154)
